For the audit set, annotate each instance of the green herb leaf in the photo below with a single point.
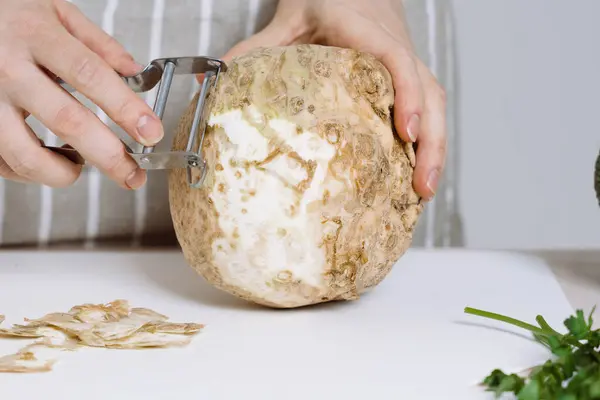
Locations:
(499, 382)
(590, 319)
(565, 396)
(531, 391)
(577, 325)
(572, 372)
(595, 389)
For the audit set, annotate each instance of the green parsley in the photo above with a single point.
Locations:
(572, 372)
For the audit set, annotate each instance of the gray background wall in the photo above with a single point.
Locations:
(530, 114)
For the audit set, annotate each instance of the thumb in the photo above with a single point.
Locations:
(270, 36)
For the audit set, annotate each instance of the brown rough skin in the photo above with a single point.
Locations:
(346, 97)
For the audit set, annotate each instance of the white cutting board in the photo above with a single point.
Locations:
(406, 340)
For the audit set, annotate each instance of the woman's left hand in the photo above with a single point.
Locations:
(377, 27)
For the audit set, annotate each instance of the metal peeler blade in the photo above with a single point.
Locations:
(161, 71)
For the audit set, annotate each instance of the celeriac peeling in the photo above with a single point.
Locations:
(113, 325)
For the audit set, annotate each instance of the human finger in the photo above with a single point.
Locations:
(24, 159)
(432, 143)
(77, 125)
(408, 98)
(96, 39)
(397, 56)
(87, 72)
(6, 172)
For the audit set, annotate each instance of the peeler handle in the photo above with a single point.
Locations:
(68, 152)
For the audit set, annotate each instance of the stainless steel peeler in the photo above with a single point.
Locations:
(161, 71)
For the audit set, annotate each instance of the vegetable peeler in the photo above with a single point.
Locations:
(160, 72)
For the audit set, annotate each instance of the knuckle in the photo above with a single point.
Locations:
(113, 52)
(117, 165)
(409, 105)
(442, 145)
(29, 22)
(414, 107)
(69, 119)
(440, 95)
(113, 47)
(5, 170)
(26, 165)
(5, 62)
(5, 112)
(11, 72)
(435, 100)
(85, 72)
(439, 152)
(127, 112)
(404, 55)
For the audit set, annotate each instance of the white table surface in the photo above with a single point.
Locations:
(407, 339)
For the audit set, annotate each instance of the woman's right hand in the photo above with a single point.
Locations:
(40, 39)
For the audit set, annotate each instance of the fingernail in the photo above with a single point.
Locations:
(432, 180)
(413, 127)
(136, 179)
(150, 130)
